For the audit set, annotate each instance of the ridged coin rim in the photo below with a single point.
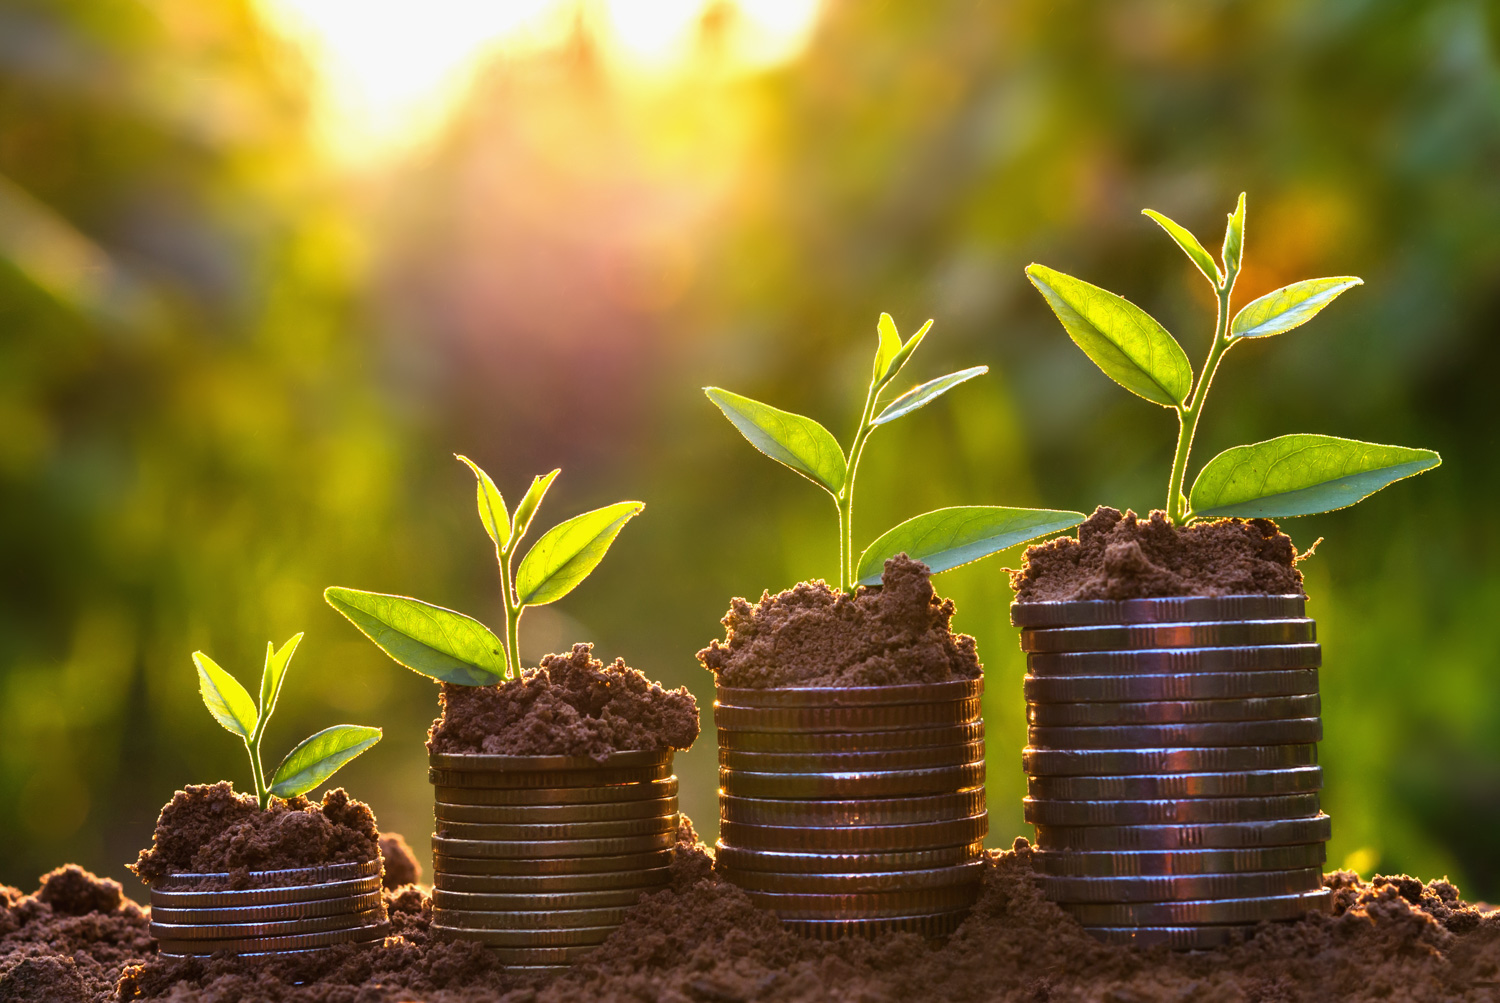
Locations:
(862, 811)
(1163, 863)
(1208, 836)
(650, 790)
(1107, 713)
(851, 696)
(1186, 661)
(1179, 887)
(246, 897)
(1201, 912)
(1173, 811)
(521, 831)
(1187, 759)
(266, 913)
(849, 762)
(850, 741)
(1294, 731)
(1167, 609)
(852, 786)
(857, 838)
(795, 862)
(1133, 637)
(1177, 786)
(643, 880)
(968, 873)
(502, 867)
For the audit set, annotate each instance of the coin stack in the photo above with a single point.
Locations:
(857, 810)
(281, 912)
(1171, 764)
(540, 857)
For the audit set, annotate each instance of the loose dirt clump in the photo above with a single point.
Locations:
(401, 864)
(571, 705)
(208, 828)
(1121, 557)
(812, 635)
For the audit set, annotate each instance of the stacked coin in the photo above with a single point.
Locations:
(278, 912)
(1171, 764)
(854, 810)
(540, 857)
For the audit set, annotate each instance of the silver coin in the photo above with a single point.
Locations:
(852, 786)
(1152, 786)
(246, 897)
(464, 902)
(857, 838)
(488, 762)
(570, 831)
(511, 779)
(851, 696)
(970, 873)
(1180, 887)
(850, 741)
(1210, 686)
(557, 919)
(893, 717)
(1135, 637)
(1171, 609)
(653, 790)
(281, 928)
(1109, 762)
(1178, 938)
(866, 905)
(533, 957)
(271, 945)
(540, 971)
(1158, 863)
(1170, 812)
(852, 762)
(443, 864)
(1209, 836)
(1176, 661)
(874, 811)
(1202, 911)
(267, 913)
(551, 814)
(534, 849)
(528, 938)
(931, 927)
(1066, 715)
(1297, 731)
(283, 877)
(741, 859)
(633, 880)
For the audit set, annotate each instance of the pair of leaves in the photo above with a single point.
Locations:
(950, 537)
(890, 354)
(1233, 250)
(492, 512)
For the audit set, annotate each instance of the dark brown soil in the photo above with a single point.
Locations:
(571, 705)
(401, 865)
(812, 635)
(210, 828)
(1120, 557)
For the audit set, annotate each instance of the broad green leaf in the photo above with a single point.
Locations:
(903, 356)
(1288, 307)
(951, 537)
(890, 345)
(1190, 247)
(926, 393)
(429, 639)
(531, 503)
(492, 510)
(1122, 339)
(225, 698)
(320, 757)
(800, 443)
(274, 674)
(567, 552)
(1301, 475)
(1234, 240)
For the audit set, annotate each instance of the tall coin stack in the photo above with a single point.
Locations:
(286, 911)
(540, 857)
(1172, 764)
(856, 810)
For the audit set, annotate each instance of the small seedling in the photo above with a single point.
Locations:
(1287, 476)
(455, 648)
(942, 539)
(311, 762)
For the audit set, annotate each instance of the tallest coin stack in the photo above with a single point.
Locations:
(1171, 764)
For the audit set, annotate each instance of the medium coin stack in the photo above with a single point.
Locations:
(540, 857)
(1171, 764)
(857, 810)
(280, 912)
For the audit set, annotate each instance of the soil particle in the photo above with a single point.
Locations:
(571, 705)
(1122, 557)
(812, 635)
(68, 941)
(401, 864)
(210, 828)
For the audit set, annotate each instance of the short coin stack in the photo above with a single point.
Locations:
(540, 857)
(279, 912)
(1171, 764)
(857, 810)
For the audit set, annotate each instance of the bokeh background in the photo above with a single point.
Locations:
(265, 266)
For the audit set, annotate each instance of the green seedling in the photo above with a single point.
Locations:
(454, 648)
(1287, 476)
(313, 761)
(942, 539)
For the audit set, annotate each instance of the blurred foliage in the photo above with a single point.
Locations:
(231, 374)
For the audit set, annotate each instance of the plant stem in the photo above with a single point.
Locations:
(512, 616)
(846, 496)
(1187, 417)
(257, 774)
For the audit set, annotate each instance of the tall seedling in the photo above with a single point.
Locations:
(454, 648)
(942, 539)
(1287, 476)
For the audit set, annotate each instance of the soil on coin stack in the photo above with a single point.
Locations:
(210, 828)
(1121, 556)
(571, 705)
(813, 635)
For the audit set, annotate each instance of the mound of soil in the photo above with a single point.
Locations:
(571, 705)
(210, 828)
(1120, 557)
(812, 635)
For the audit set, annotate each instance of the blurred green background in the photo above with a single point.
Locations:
(237, 351)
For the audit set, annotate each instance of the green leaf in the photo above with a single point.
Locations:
(800, 443)
(429, 639)
(320, 757)
(926, 393)
(1301, 475)
(1190, 247)
(567, 552)
(1234, 241)
(274, 674)
(531, 503)
(492, 510)
(890, 345)
(950, 537)
(903, 356)
(1122, 339)
(1288, 307)
(225, 698)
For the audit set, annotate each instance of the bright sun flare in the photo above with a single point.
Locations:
(387, 76)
